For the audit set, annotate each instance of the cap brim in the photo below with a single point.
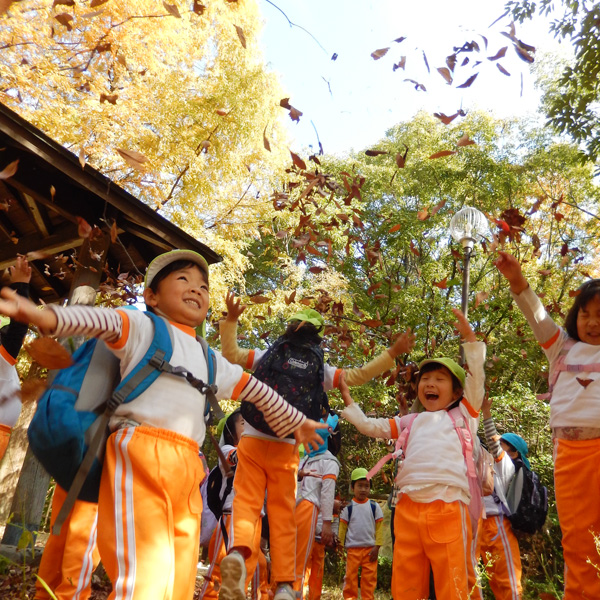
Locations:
(161, 261)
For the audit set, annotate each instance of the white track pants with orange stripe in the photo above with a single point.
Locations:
(496, 537)
(70, 558)
(307, 514)
(149, 510)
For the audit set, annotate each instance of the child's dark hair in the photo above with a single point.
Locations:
(175, 266)
(308, 332)
(361, 479)
(433, 366)
(588, 291)
(229, 436)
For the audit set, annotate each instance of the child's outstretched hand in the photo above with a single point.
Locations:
(486, 405)
(25, 311)
(345, 390)
(463, 326)
(234, 306)
(509, 266)
(21, 271)
(403, 344)
(308, 434)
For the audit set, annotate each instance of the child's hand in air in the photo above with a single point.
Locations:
(234, 306)
(403, 344)
(21, 271)
(345, 390)
(308, 434)
(25, 311)
(509, 266)
(463, 326)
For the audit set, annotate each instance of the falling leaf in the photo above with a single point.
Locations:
(465, 141)
(334, 56)
(285, 103)
(584, 382)
(437, 207)
(112, 99)
(423, 215)
(400, 39)
(413, 249)
(316, 270)
(5, 5)
(500, 54)
(241, 36)
(373, 323)
(446, 120)
(443, 284)
(375, 152)
(468, 82)
(400, 160)
(266, 143)
(172, 10)
(295, 114)
(523, 54)
(198, 7)
(298, 162)
(113, 232)
(289, 299)
(83, 227)
(451, 61)
(445, 73)
(395, 228)
(379, 53)
(82, 157)
(502, 69)
(65, 19)
(204, 146)
(9, 170)
(221, 112)
(418, 86)
(49, 353)
(258, 299)
(65, 2)
(133, 158)
(443, 153)
(426, 62)
(95, 3)
(401, 64)
(481, 297)
(573, 293)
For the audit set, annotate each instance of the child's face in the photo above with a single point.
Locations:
(182, 295)
(588, 322)
(361, 489)
(239, 428)
(436, 389)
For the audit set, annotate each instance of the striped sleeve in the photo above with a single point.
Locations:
(281, 416)
(492, 438)
(103, 323)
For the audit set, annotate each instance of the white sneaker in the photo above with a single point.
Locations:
(285, 592)
(233, 577)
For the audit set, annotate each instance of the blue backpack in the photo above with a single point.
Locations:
(69, 430)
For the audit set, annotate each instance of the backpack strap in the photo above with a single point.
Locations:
(373, 509)
(211, 388)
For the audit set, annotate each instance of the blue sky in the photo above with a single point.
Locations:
(353, 100)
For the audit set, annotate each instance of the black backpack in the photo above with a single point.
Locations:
(527, 500)
(295, 370)
(214, 498)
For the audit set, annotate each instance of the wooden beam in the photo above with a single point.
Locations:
(39, 198)
(144, 234)
(36, 248)
(36, 215)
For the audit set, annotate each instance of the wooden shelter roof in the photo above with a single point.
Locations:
(40, 203)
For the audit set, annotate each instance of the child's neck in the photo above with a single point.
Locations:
(185, 328)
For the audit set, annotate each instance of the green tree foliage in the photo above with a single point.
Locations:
(572, 100)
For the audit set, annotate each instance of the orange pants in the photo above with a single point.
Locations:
(577, 488)
(216, 553)
(69, 559)
(496, 537)
(149, 509)
(435, 535)
(306, 526)
(359, 557)
(271, 466)
(313, 576)
(4, 438)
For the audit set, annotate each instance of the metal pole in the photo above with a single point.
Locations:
(465, 292)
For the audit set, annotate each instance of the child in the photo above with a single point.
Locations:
(574, 357)
(254, 476)
(11, 340)
(150, 503)
(361, 532)
(431, 522)
(314, 501)
(495, 535)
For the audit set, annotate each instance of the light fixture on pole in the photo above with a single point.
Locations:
(467, 226)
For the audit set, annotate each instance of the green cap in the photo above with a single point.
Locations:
(309, 316)
(4, 321)
(452, 366)
(221, 425)
(360, 473)
(162, 260)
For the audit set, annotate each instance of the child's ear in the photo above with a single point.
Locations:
(150, 297)
(457, 394)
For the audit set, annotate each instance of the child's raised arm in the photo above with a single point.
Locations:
(345, 390)
(509, 266)
(22, 309)
(234, 307)
(464, 327)
(403, 344)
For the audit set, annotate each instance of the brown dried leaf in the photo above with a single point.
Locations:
(198, 7)
(133, 158)
(500, 54)
(95, 3)
(113, 232)
(32, 389)
(502, 69)
(395, 228)
(524, 54)
(401, 64)
(413, 249)
(400, 160)
(9, 170)
(373, 323)
(446, 120)
(481, 297)
(266, 142)
(465, 141)
(241, 36)
(443, 153)
(285, 103)
(295, 114)
(316, 270)
(5, 5)
(423, 215)
(84, 229)
(298, 162)
(289, 299)
(112, 98)
(377, 54)
(443, 284)
(400, 39)
(65, 19)
(584, 382)
(445, 73)
(437, 207)
(468, 82)
(49, 353)
(82, 157)
(375, 152)
(172, 10)
(221, 112)
(258, 299)
(64, 2)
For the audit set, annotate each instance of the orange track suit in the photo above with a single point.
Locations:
(307, 515)
(69, 559)
(313, 575)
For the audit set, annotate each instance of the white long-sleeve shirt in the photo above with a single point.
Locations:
(318, 486)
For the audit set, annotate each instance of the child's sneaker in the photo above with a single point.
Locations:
(285, 592)
(233, 577)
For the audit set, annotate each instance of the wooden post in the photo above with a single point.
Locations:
(29, 494)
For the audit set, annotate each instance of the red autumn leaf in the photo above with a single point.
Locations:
(295, 114)
(377, 54)
(375, 152)
(83, 227)
(316, 270)
(445, 119)
(198, 7)
(110, 98)
(443, 153)
(465, 141)
(374, 287)
(500, 54)
(545, 272)
(468, 82)
(423, 215)
(395, 228)
(584, 382)
(289, 299)
(298, 162)
(502, 224)
(357, 221)
(285, 103)
(573, 293)
(313, 251)
(445, 73)
(241, 36)
(413, 249)
(372, 323)
(65, 19)
(400, 160)
(443, 284)
(437, 207)
(258, 299)
(221, 112)
(49, 353)
(265, 335)
(502, 69)
(559, 217)
(400, 64)
(9, 170)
